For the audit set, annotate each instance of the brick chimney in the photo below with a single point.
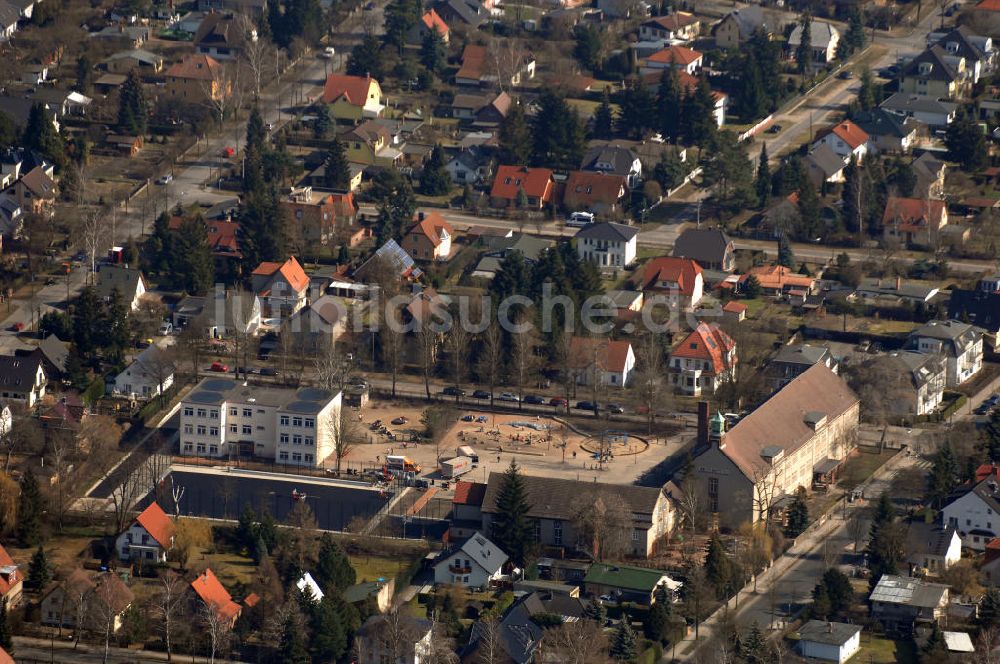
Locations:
(703, 410)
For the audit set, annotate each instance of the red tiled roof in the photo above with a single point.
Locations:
(291, 270)
(777, 277)
(5, 658)
(251, 600)
(989, 5)
(536, 182)
(353, 88)
(609, 355)
(433, 21)
(8, 581)
(198, 67)
(469, 493)
(210, 591)
(473, 62)
(912, 213)
(681, 271)
(157, 524)
(586, 188)
(223, 236)
(675, 55)
(431, 226)
(850, 133)
(707, 342)
(734, 307)
(984, 471)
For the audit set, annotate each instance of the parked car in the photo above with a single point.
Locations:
(615, 408)
(508, 396)
(557, 402)
(480, 394)
(267, 371)
(533, 399)
(400, 420)
(845, 74)
(220, 367)
(165, 179)
(586, 405)
(453, 391)
(774, 129)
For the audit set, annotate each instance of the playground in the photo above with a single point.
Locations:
(541, 445)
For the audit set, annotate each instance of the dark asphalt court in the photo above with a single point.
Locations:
(225, 497)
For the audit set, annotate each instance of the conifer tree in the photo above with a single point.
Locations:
(434, 179)
(763, 182)
(29, 511)
(133, 109)
(798, 514)
(336, 168)
(603, 121)
(39, 571)
(292, 647)
(333, 569)
(512, 531)
(624, 646)
(514, 138)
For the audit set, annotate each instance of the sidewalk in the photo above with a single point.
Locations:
(30, 649)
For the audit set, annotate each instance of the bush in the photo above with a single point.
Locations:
(651, 655)
(94, 391)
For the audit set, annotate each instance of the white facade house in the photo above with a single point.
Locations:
(960, 344)
(846, 140)
(829, 641)
(611, 363)
(149, 375)
(223, 418)
(129, 283)
(607, 245)
(148, 538)
(976, 514)
(933, 547)
(409, 637)
(475, 564)
(823, 39)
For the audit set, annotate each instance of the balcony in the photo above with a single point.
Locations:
(456, 568)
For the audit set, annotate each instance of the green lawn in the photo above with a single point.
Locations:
(860, 467)
(880, 650)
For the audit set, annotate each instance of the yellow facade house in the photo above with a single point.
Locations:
(353, 98)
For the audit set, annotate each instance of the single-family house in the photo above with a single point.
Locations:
(123, 62)
(914, 381)
(960, 344)
(829, 641)
(466, 510)
(211, 594)
(92, 602)
(613, 159)
(398, 639)
(823, 40)
(610, 362)
(520, 186)
(352, 98)
(675, 26)
(793, 360)
(710, 247)
(555, 506)
(846, 139)
(900, 603)
(626, 583)
(124, 36)
(470, 166)
(379, 593)
(931, 111)
(281, 287)
(734, 311)
(676, 57)
(371, 144)
(799, 436)
(932, 547)
(974, 511)
(128, 281)
(935, 73)
(319, 324)
(22, 379)
(680, 279)
(887, 132)
(149, 375)
(494, 111)
(607, 245)
(197, 79)
(477, 71)
(430, 20)
(977, 50)
(703, 360)
(739, 25)
(11, 578)
(914, 221)
(930, 172)
(430, 238)
(319, 217)
(823, 164)
(220, 36)
(36, 191)
(53, 353)
(598, 193)
(778, 280)
(477, 563)
(471, 13)
(148, 538)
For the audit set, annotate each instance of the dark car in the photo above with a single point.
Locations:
(774, 129)
(268, 372)
(846, 74)
(982, 409)
(481, 394)
(557, 401)
(586, 405)
(533, 399)
(453, 391)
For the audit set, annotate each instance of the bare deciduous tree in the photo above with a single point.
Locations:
(457, 347)
(438, 421)
(523, 361)
(334, 369)
(488, 645)
(577, 642)
(168, 606)
(652, 393)
(491, 356)
(344, 431)
(427, 340)
(253, 51)
(218, 629)
(604, 526)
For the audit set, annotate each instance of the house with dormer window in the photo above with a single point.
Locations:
(22, 379)
(537, 185)
(935, 73)
(703, 360)
(430, 238)
(476, 564)
(148, 538)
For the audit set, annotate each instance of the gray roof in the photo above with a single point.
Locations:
(609, 231)
(802, 354)
(468, 11)
(703, 245)
(922, 367)
(17, 373)
(125, 279)
(9, 14)
(904, 102)
(931, 65)
(529, 246)
(829, 633)
(216, 391)
(908, 289)
(618, 157)
(138, 54)
(820, 34)
(55, 351)
(880, 122)
(554, 498)
(929, 538)
(413, 629)
(484, 553)
(908, 591)
(826, 160)
(956, 335)
(749, 19)
(622, 298)
(519, 636)
(959, 42)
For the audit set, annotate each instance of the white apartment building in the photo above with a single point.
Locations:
(608, 245)
(225, 418)
(958, 343)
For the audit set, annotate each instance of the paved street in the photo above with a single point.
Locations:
(28, 650)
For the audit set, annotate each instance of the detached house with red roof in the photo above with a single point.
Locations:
(148, 538)
(352, 98)
(674, 277)
(197, 79)
(213, 595)
(610, 362)
(681, 26)
(430, 238)
(914, 220)
(536, 183)
(11, 580)
(281, 287)
(779, 280)
(600, 193)
(703, 360)
(319, 215)
(677, 57)
(431, 20)
(846, 139)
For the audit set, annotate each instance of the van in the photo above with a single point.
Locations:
(580, 219)
(466, 451)
(398, 462)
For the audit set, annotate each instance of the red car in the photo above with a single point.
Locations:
(228, 152)
(220, 367)
(557, 401)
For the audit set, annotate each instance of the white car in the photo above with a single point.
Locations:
(166, 179)
(328, 53)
